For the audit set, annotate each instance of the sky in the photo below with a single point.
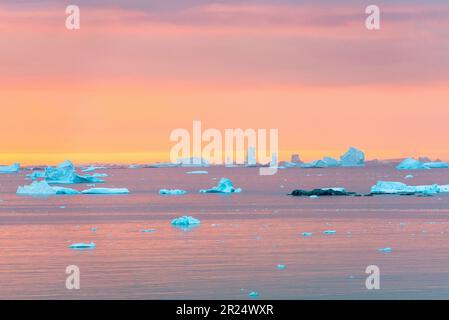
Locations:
(136, 70)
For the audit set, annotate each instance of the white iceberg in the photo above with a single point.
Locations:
(224, 186)
(10, 169)
(106, 191)
(82, 245)
(389, 187)
(65, 173)
(352, 158)
(172, 192)
(185, 221)
(42, 188)
(198, 172)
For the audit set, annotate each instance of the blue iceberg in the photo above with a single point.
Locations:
(42, 188)
(413, 164)
(185, 221)
(82, 245)
(224, 186)
(10, 169)
(352, 158)
(106, 191)
(172, 192)
(65, 173)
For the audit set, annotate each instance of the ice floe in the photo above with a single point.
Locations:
(37, 188)
(106, 191)
(172, 192)
(224, 186)
(253, 294)
(14, 168)
(307, 234)
(82, 245)
(330, 232)
(198, 172)
(386, 250)
(391, 187)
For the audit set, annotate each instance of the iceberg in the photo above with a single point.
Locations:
(330, 232)
(386, 250)
(253, 294)
(35, 175)
(92, 168)
(389, 187)
(307, 234)
(65, 173)
(42, 188)
(185, 221)
(106, 191)
(82, 245)
(281, 266)
(435, 165)
(352, 158)
(197, 172)
(331, 162)
(10, 169)
(411, 164)
(172, 192)
(224, 186)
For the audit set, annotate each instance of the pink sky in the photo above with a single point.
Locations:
(114, 90)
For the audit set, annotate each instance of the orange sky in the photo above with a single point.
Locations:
(114, 90)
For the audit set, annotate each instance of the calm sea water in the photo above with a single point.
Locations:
(241, 239)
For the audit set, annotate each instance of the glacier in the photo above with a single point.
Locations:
(65, 173)
(42, 188)
(106, 191)
(14, 168)
(172, 192)
(390, 187)
(224, 186)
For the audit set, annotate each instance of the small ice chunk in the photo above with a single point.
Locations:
(307, 234)
(281, 266)
(409, 176)
(172, 192)
(185, 221)
(253, 294)
(224, 186)
(82, 245)
(313, 196)
(387, 249)
(106, 191)
(148, 230)
(198, 172)
(330, 232)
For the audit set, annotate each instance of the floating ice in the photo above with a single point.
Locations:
(330, 232)
(313, 196)
(409, 176)
(82, 245)
(411, 164)
(224, 186)
(185, 221)
(106, 191)
(38, 188)
(35, 175)
(385, 249)
(352, 158)
(388, 187)
(253, 294)
(10, 169)
(439, 164)
(281, 266)
(92, 168)
(197, 172)
(307, 234)
(148, 230)
(65, 173)
(172, 192)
